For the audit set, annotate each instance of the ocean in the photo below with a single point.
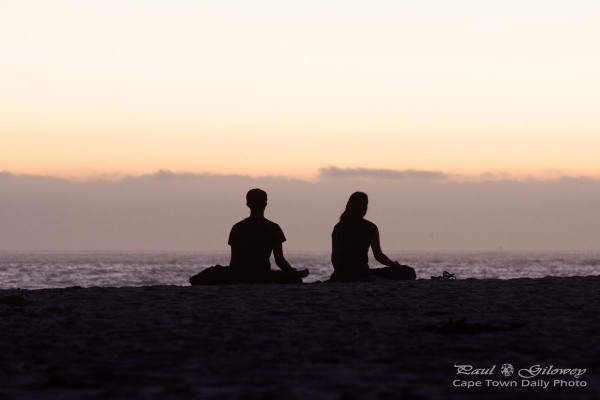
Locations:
(39, 270)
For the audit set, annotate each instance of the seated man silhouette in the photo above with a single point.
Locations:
(252, 241)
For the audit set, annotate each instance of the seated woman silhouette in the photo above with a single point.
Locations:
(252, 241)
(351, 239)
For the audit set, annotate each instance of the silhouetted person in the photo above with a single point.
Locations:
(351, 239)
(252, 241)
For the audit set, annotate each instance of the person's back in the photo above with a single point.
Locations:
(353, 240)
(252, 241)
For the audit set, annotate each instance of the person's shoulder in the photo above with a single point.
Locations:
(241, 223)
(368, 223)
(275, 231)
(271, 224)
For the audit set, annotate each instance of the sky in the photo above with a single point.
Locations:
(275, 88)
(140, 125)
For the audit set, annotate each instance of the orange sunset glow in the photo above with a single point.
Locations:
(126, 88)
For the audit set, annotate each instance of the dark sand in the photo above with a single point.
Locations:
(375, 340)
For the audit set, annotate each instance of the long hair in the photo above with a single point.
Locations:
(356, 207)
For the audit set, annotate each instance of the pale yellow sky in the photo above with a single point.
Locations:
(278, 88)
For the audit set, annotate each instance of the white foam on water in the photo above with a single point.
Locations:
(55, 270)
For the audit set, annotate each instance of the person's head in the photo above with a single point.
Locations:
(356, 207)
(256, 199)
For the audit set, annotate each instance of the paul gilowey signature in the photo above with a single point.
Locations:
(544, 377)
(527, 373)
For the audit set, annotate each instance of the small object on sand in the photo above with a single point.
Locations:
(445, 275)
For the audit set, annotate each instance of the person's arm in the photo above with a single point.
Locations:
(233, 243)
(234, 256)
(335, 244)
(280, 260)
(379, 256)
(283, 264)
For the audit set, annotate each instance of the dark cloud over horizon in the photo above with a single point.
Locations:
(374, 173)
(330, 173)
(170, 211)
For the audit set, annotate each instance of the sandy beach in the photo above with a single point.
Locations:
(372, 340)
